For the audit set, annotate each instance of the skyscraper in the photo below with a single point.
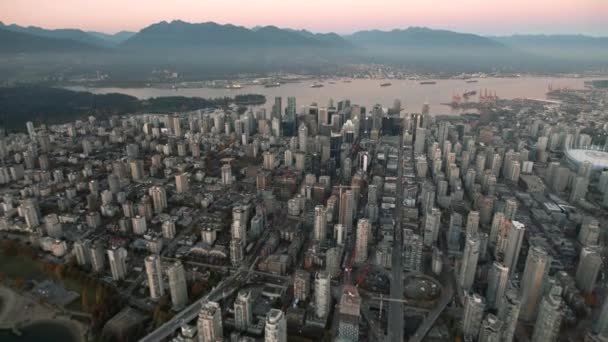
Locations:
(549, 318)
(363, 235)
(276, 326)
(431, 226)
(181, 183)
(177, 285)
(320, 227)
(322, 294)
(118, 262)
(601, 324)
(155, 276)
(243, 310)
(301, 285)
(349, 314)
(468, 265)
(209, 323)
(347, 204)
(508, 312)
(159, 198)
(589, 265)
(498, 278)
(535, 273)
(473, 313)
(515, 237)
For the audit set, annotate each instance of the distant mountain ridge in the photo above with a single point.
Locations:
(182, 34)
(421, 37)
(89, 38)
(21, 42)
(563, 40)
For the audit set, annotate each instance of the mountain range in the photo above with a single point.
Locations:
(181, 34)
(223, 48)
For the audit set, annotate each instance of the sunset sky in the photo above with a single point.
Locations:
(342, 16)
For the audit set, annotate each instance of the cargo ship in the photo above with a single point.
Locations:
(317, 85)
(471, 81)
(272, 85)
(387, 84)
(428, 82)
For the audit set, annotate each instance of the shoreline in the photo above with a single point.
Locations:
(22, 312)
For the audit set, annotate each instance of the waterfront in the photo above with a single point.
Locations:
(41, 331)
(367, 92)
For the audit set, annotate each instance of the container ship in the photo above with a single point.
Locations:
(428, 82)
(387, 84)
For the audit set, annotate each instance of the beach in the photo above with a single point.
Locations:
(32, 319)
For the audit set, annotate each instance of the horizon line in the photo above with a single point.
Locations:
(313, 31)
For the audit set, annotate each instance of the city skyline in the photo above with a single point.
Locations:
(474, 16)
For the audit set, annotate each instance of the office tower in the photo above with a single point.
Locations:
(510, 209)
(290, 111)
(473, 314)
(579, 189)
(515, 237)
(243, 311)
(468, 264)
(590, 232)
(347, 210)
(31, 130)
(498, 278)
(277, 107)
(181, 183)
(98, 259)
(497, 222)
(118, 263)
(349, 314)
(491, 329)
(236, 251)
(362, 241)
(155, 276)
(332, 261)
(301, 285)
(137, 169)
(419, 140)
(159, 198)
(268, 160)
(303, 138)
(322, 294)
(226, 174)
(472, 223)
(176, 125)
(139, 225)
(589, 265)
(431, 227)
(549, 318)
(209, 323)
(178, 285)
(601, 324)
(275, 329)
(81, 250)
(535, 273)
(320, 226)
(454, 232)
(412, 244)
(30, 212)
(508, 313)
(168, 229)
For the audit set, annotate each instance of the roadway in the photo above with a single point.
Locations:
(395, 308)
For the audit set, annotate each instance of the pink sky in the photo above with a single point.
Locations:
(342, 16)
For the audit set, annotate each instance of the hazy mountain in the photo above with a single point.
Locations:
(19, 42)
(565, 41)
(179, 34)
(114, 39)
(570, 47)
(73, 34)
(421, 37)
